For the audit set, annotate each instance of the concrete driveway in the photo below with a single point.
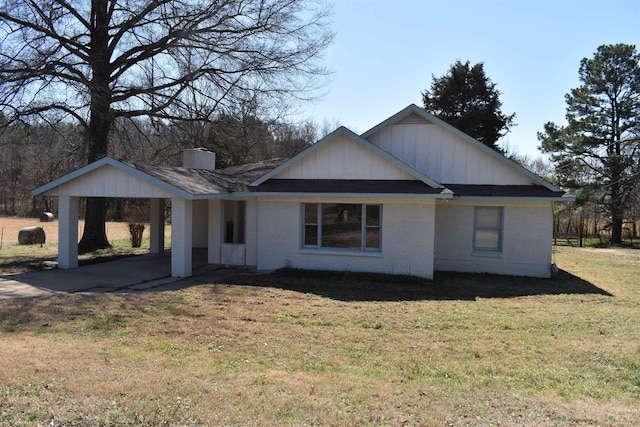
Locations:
(135, 273)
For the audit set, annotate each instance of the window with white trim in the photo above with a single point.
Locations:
(342, 226)
(487, 229)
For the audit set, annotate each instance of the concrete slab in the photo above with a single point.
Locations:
(99, 277)
(140, 273)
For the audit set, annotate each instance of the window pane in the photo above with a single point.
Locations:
(488, 217)
(373, 215)
(488, 239)
(310, 213)
(341, 226)
(373, 238)
(311, 235)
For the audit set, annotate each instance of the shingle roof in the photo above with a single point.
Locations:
(345, 186)
(400, 187)
(202, 181)
(466, 190)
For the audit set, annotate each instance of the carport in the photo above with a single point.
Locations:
(119, 179)
(210, 208)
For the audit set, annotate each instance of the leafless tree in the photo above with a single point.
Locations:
(102, 60)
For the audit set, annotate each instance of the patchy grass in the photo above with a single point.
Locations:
(313, 348)
(15, 258)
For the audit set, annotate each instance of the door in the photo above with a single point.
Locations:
(232, 250)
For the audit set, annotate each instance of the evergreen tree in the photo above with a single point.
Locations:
(597, 152)
(468, 100)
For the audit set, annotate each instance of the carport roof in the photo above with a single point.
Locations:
(205, 182)
(189, 183)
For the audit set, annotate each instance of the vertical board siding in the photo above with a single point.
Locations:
(109, 181)
(343, 159)
(444, 156)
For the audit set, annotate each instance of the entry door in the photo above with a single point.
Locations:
(233, 233)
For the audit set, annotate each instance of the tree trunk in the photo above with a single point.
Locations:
(616, 230)
(617, 213)
(94, 235)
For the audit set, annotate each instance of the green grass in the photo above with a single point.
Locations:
(20, 259)
(323, 348)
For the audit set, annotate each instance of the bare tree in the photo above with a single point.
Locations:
(102, 60)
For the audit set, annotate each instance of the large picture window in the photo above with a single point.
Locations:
(487, 229)
(346, 226)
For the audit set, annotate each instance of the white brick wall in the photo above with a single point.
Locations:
(68, 208)
(527, 234)
(407, 238)
(215, 231)
(181, 237)
(251, 232)
(200, 223)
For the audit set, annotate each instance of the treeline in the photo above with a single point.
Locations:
(588, 216)
(589, 219)
(32, 154)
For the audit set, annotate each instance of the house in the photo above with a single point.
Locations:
(413, 195)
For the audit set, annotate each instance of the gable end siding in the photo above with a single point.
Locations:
(109, 181)
(343, 159)
(444, 156)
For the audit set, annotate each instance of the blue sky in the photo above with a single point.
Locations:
(386, 51)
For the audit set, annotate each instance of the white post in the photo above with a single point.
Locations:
(156, 232)
(68, 209)
(181, 237)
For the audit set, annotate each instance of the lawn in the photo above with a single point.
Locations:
(16, 258)
(333, 349)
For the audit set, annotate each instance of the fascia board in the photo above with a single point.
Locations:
(517, 199)
(336, 195)
(73, 175)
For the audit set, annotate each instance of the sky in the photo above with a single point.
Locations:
(385, 53)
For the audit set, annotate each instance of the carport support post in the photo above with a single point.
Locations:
(156, 237)
(68, 209)
(181, 237)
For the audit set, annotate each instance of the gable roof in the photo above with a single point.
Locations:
(188, 183)
(414, 109)
(343, 131)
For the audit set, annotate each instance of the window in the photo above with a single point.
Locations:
(345, 226)
(487, 230)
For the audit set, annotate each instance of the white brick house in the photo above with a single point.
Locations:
(410, 196)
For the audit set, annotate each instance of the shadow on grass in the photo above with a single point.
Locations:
(345, 286)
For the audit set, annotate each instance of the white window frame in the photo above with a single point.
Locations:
(363, 228)
(499, 228)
